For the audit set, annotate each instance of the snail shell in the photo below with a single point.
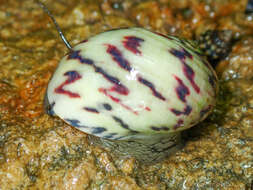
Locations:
(132, 85)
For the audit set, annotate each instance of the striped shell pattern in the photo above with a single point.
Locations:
(128, 82)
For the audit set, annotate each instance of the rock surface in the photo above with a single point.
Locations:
(41, 152)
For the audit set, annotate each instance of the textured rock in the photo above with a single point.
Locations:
(40, 152)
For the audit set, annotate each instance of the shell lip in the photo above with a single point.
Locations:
(48, 107)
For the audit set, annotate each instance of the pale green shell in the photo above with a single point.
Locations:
(151, 67)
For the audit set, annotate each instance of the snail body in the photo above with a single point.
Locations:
(133, 88)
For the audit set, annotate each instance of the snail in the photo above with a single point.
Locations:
(132, 90)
